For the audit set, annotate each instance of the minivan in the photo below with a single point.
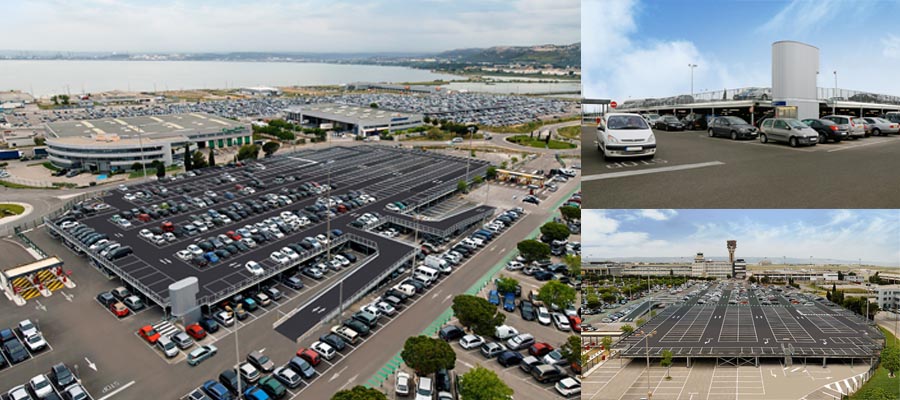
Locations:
(429, 274)
(625, 135)
(789, 130)
(546, 373)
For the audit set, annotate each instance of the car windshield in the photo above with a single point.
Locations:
(734, 120)
(626, 122)
(670, 118)
(793, 123)
(424, 391)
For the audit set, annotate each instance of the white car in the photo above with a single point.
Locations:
(561, 322)
(373, 309)
(195, 250)
(322, 238)
(280, 258)
(130, 196)
(514, 265)
(125, 223)
(184, 255)
(324, 349)
(469, 342)
(254, 268)
(41, 386)
(386, 308)
(504, 332)
(249, 242)
(543, 316)
(569, 387)
(343, 260)
(26, 328)
(402, 386)
(625, 135)
(290, 253)
(35, 342)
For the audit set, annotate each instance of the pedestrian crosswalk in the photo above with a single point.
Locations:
(165, 328)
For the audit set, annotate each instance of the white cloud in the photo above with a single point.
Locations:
(658, 215)
(802, 16)
(596, 222)
(891, 47)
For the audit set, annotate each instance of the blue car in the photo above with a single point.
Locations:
(494, 298)
(255, 393)
(336, 232)
(509, 302)
(211, 257)
(216, 390)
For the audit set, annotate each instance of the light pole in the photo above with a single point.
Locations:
(834, 97)
(692, 66)
(647, 337)
(471, 130)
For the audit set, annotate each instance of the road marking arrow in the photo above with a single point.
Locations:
(40, 306)
(68, 297)
(336, 374)
(90, 364)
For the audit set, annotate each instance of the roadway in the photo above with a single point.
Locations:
(691, 170)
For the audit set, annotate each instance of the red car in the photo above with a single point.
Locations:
(233, 236)
(540, 349)
(167, 226)
(575, 322)
(309, 355)
(118, 309)
(195, 331)
(149, 334)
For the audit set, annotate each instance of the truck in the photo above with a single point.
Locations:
(10, 154)
(437, 263)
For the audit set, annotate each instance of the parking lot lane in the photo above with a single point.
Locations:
(754, 175)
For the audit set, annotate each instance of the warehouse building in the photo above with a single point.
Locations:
(363, 121)
(889, 297)
(115, 144)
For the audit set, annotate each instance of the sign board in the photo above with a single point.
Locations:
(326, 126)
(613, 104)
(779, 103)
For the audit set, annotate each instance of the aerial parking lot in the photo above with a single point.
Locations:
(293, 255)
(693, 170)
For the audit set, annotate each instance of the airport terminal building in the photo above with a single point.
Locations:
(115, 144)
(363, 121)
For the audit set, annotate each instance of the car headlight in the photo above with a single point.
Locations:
(651, 138)
(611, 139)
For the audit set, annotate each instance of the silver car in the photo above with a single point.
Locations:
(848, 123)
(788, 130)
(882, 126)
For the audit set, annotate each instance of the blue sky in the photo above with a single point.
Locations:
(641, 48)
(873, 235)
(287, 25)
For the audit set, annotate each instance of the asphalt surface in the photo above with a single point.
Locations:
(388, 174)
(720, 329)
(691, 170)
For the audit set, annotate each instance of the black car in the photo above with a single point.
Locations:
(450, 333)
(669, 123)
(694, 122)
(442, 381)
(210, 325)
(15, 351)
(106, 298)
(543, 275)
(229, 379)
(333, 341)
(526, 309)
(509, 358)
(360, 328)
(827, 129)
(61, 375)
(732, 127)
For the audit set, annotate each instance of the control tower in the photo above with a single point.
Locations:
(732, 246)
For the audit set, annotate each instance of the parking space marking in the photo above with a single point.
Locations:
(611, 175)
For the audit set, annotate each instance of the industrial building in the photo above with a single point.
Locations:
(793, 94)
(115, 144)
(390, 87)
(363, 121)
(797, 275)
(889, 297)
(264, 91)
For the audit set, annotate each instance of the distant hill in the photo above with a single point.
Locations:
(749, 260)
(556, 55)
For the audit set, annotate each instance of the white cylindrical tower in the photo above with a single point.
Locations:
(795, 67)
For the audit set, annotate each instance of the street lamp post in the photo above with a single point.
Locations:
(471, 130)
(647, 337)
(834, 97)
(692, 66)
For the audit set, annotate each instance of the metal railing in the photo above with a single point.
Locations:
(759, 94)
(32, 222)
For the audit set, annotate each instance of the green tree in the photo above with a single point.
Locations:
(606, 342)
(593, 301)
(555, 231)
(373, 105)
(890, 359)
(477, 179)
(571, 349)
(483, 384)
(137, 166)
(359, 393)
(507, 285)
(533, 250)
(627, 328)
(477, 314)
(212, 158)
(38, 141)
(270, 148)
(160, 170)
(570, 213)
(557, 293)
(462, 186)
(187, 158)
(639, 322)
(666, 361)
(609, 298)
(840, 276)
(427, 355)
(198, 160)
(874, 393)
(573, 262)
(491, 172)
(248, 152)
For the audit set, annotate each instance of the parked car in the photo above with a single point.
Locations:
(827, 130)
(882, 126)
(625, 135)
(731, 127)
(200, 354)
(787, 130)
(260, 361)
(848, 123)
(669, 123)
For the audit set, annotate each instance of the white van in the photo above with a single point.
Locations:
(437, 263)
(428, 275)
(625, 135)
(406, 289)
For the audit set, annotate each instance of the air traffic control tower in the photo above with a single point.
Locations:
(795, 69)
(732, 246)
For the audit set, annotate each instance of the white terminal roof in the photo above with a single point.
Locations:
(147, 126)
(351, 114)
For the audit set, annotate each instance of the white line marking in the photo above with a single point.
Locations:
(649, 171)
(125, 386)
(853, 146)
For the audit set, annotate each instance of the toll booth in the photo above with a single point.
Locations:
(28, 280)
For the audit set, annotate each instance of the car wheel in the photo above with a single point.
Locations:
(763, 138)
(876, 132)
(823, 138)
(793, 142)
(710, 133)
(733, 135)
